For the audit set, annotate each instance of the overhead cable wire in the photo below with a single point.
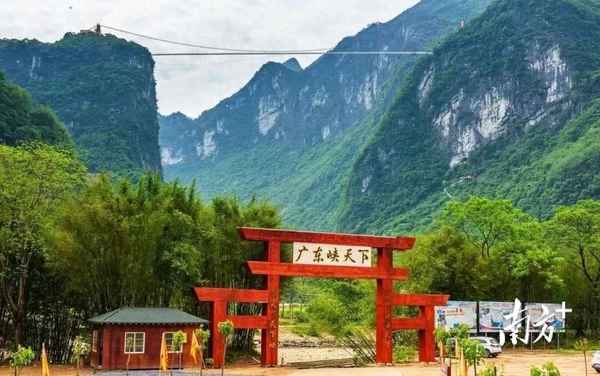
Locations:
(226, 51)
(292, 53)
(207, 47)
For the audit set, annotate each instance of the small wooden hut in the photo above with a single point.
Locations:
(130, 338)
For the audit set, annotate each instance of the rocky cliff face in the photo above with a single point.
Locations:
(292, 134)
(488, 113)
(103, 90)
(286, 104)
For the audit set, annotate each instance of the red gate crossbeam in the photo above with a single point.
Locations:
(424, 322)
(325, 271)
(249, 322)
(209, 294)
(220, 297)
(414, 300)
(399, 243)
(408, 323)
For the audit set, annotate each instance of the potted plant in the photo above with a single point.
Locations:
(473, 353)
(226, 329)
(128, 345)
(177, 344)
(199, 341)
(583, 346)
(442, 336)
(80, 349)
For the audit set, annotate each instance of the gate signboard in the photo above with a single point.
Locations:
(327, 254)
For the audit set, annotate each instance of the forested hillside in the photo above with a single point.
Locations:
(291, 135)
(21, 120)
(507, 107)
(101, 87)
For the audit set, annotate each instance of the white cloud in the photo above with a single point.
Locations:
(195, 84)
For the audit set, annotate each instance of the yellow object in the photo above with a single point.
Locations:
(463, 364)
(44, 360)
(194, 348)
(164, 355)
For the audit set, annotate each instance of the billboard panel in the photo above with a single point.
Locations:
(536, 313)
(492, 316)
(456, 313)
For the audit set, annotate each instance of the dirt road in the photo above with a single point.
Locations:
(514, 363)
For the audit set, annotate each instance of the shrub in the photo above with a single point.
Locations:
(326, 314)
(492, 370)
(548, 369)
(20, 358)
(404, 354)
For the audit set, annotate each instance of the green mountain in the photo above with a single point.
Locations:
(292, 135)
(21, 120)
(103, 90)
(507, 107)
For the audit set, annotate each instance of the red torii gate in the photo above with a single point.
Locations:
(273, 269)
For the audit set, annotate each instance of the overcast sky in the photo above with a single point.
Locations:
(194, 84)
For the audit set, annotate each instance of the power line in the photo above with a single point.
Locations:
(292, 53)
(226, 51)
(207, 47)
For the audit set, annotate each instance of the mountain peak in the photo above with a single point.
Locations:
(293, 64)
(179, 115)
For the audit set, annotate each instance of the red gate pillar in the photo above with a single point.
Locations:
(270, 336)
(383, 314)
(218, 314)
(426, 336)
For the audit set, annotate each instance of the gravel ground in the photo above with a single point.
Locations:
(301, 354)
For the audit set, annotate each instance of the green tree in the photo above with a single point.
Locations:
(23, 121)
(575, 232)
(485, 223)
(485, 249)
(34, 179)
(129, 245)
(444, 262)
(146, 243)
(224, 255)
